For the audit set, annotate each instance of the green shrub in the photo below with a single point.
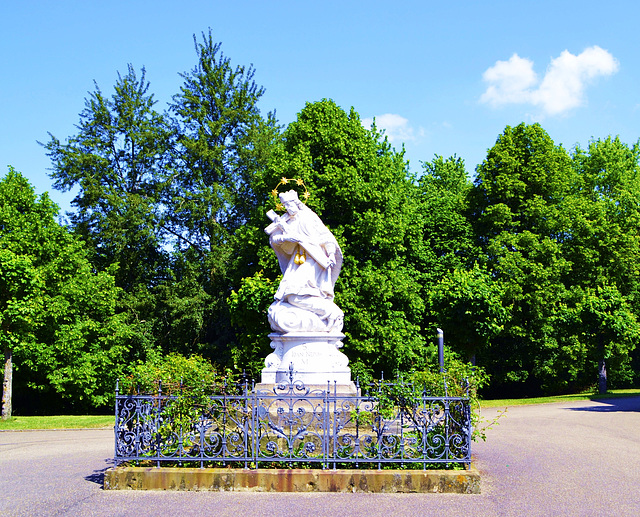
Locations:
(175, 374)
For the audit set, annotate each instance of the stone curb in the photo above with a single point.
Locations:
(293, 480)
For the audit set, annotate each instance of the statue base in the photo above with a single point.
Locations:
(313, 358)
(339, 390)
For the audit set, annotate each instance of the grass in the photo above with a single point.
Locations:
(20, 423)
(561, 398)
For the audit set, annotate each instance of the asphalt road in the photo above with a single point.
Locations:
(575, 459)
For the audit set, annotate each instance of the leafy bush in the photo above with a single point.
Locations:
(176, 374)
(190, 380)
(459, 379)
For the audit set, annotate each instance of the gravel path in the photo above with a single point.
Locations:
(574, 459)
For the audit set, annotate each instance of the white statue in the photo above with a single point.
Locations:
(310, 260)
(307, 324)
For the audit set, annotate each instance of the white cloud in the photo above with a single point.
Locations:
(562, 88)
(395, 127)
(509, 81)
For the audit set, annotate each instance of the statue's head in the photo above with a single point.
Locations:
(290, 201)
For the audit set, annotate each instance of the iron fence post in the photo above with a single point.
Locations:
(440, 336)
(245, 426)
(116, 426)
(255, 431)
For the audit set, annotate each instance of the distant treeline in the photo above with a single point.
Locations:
(531, 267)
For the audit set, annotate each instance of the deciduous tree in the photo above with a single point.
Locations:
(362, 190)
(516, 207)
(118, 161)
(58, 316)
(603, 245)
(223, 143)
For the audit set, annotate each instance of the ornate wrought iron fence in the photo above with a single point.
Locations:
(293, 425)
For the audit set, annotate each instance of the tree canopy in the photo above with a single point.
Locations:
(61, 330)
(531, 266)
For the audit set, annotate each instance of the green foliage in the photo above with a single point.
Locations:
(58, 316)
(362, 191)
(190, 380)
(410, 393)
(446, 239)
(174, 374)
(559, 236)
(161, 194)
(221, 146)
(459, 379)
(515, 206)
(471, 307)
(609, 329)
(532, 268)
(118, 160)
(248, 306)
(223, 142)
(521, 184)
(604, 241)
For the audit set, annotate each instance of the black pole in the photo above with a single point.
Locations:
(440, 337)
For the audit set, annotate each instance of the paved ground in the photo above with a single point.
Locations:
(577, 459)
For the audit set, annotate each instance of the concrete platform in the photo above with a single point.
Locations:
(293, 480)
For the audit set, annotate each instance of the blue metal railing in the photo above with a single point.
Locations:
(293, 425)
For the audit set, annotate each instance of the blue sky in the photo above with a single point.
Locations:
(443, 78)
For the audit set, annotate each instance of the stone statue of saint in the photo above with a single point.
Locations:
(310, 260)
(306, 322)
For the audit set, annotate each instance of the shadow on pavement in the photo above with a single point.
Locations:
(612, 405)
(98, 475)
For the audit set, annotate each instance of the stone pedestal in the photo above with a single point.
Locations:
(311, 357)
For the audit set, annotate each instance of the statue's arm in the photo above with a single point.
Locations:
(285, 237)
(330, 249)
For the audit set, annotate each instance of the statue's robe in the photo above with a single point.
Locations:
(314, 277)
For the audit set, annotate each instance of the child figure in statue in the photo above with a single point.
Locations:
(310, 260)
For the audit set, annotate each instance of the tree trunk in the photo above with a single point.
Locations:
(602, 377)
(7, 384)
(602, 367)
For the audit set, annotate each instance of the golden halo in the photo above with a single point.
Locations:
(286, 181)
